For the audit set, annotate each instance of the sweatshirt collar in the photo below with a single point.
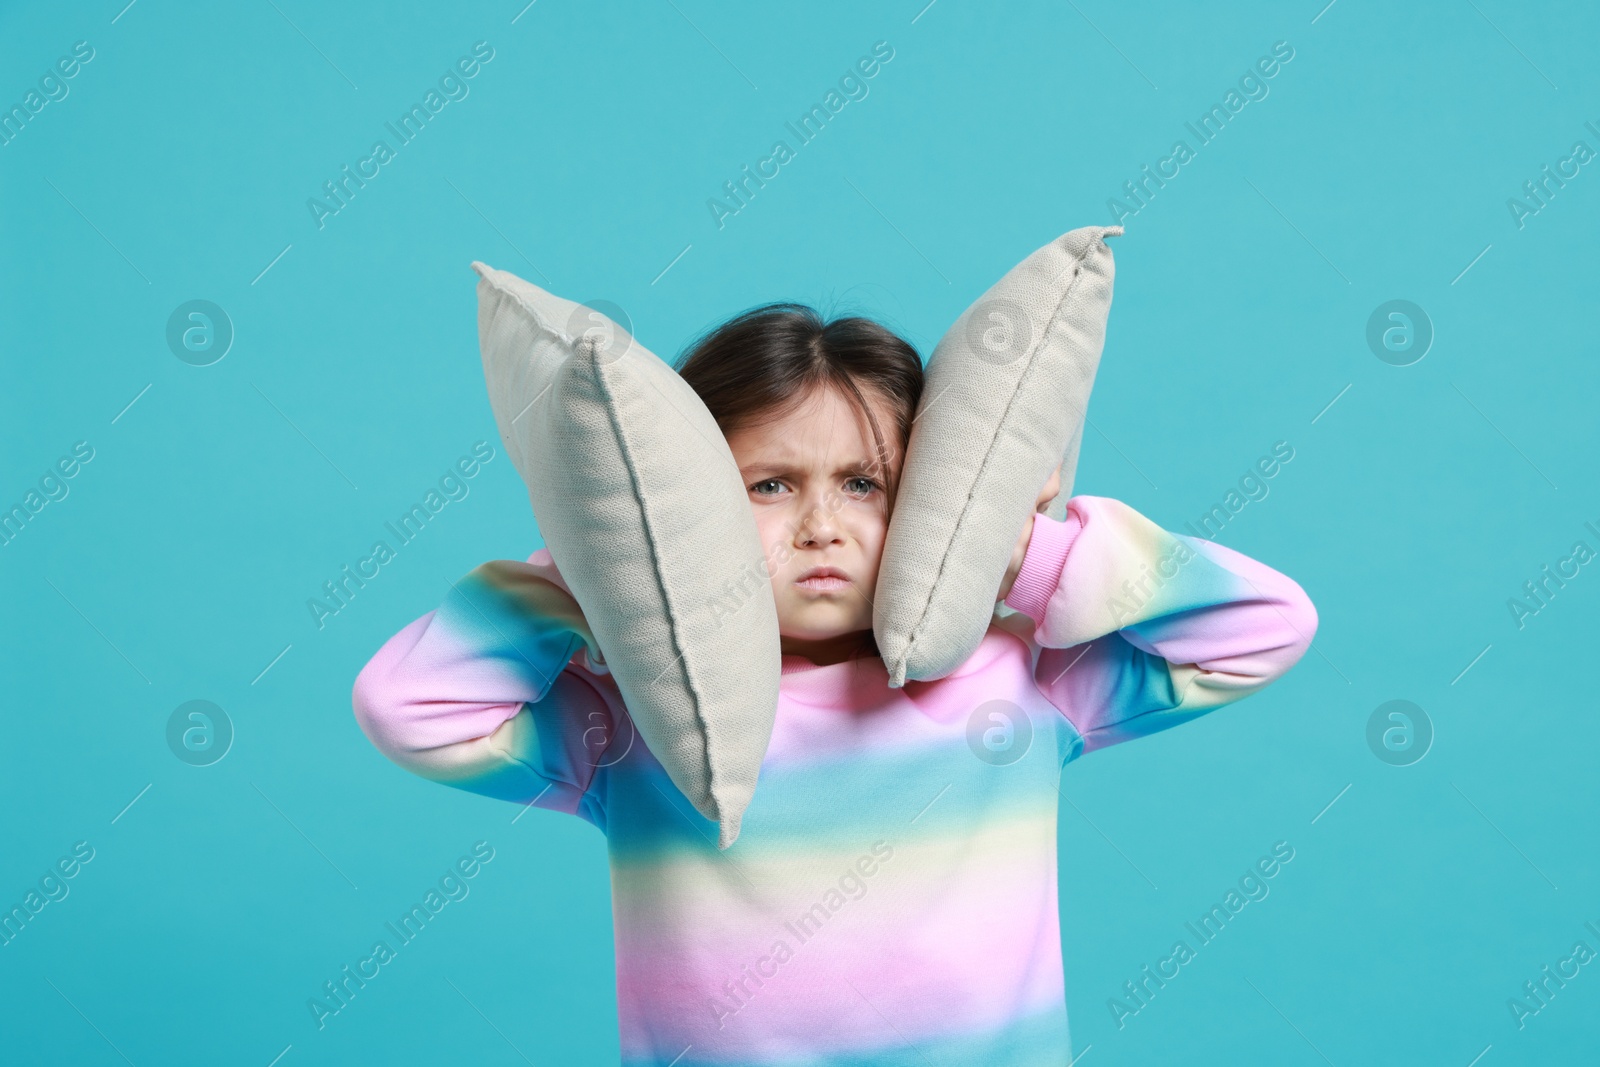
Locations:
(852, 683)
(863, 683)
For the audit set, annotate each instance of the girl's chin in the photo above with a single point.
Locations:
(821, 624)
(811, 631)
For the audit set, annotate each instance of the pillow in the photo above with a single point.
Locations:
(1004, 402)
(645, 514)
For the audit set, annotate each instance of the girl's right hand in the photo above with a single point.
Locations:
(1051, 489)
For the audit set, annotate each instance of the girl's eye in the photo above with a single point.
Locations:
(756, 488)
(866, 484)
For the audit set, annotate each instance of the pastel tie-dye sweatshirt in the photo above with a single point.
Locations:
(891, 899)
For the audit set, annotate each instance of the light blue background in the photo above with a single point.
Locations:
(180, 564)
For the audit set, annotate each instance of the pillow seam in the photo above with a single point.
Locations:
(713, 778)
(543, 324)
(1016, 391)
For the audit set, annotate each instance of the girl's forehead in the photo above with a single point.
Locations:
(770, 444)
(824, 429)
(780, 444)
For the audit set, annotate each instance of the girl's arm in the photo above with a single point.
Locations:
(496, 692)
(1142, 629)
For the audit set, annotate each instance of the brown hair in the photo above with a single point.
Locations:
(768, 360)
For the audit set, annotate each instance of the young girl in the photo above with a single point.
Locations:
(891, 899)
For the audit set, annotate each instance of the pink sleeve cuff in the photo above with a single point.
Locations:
(1041, 568)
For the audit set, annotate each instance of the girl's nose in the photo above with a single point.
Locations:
(818, 524)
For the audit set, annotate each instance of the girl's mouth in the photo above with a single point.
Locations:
(823, 584)
(823, 580)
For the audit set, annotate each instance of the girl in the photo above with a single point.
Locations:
(891, 899)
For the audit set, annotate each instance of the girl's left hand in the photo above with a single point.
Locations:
(1047, 494)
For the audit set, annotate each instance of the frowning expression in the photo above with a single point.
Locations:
(819, 494)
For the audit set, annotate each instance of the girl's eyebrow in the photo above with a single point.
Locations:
(781, 467)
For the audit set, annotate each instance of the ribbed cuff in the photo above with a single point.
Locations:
(1040, 573)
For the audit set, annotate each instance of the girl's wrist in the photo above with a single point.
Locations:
(1018, 554)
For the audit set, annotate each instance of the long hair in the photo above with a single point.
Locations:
(765, 362)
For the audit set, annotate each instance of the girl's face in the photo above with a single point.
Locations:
(818, 492)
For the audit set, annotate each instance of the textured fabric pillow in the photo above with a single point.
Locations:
(1004, 403)
(642, 507)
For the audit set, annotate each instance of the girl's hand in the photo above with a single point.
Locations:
(1047, 494)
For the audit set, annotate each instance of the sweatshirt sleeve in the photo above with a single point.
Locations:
(1141, 629)
(498, 691)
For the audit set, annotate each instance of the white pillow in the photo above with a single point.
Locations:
(1003, 405)
(645, 514)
